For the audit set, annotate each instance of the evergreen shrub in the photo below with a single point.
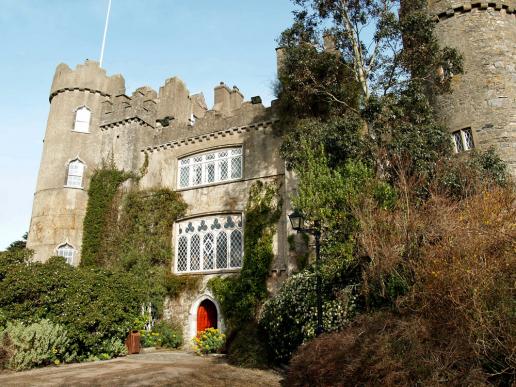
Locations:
(247, 347)
(170, 333)
(95, 305)
(289, 318)
(36, 344)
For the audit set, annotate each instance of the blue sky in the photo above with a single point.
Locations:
(201, 41)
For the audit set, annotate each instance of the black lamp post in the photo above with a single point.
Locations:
(297, 220)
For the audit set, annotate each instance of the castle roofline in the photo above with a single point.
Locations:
(88, 76)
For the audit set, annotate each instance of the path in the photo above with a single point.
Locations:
(170, 368)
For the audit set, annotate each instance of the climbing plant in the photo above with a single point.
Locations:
(104, 185)
(131, 231)
(240, 296)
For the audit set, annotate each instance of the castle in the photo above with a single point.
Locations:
(213, 156)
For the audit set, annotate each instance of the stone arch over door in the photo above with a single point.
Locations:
(193, 315)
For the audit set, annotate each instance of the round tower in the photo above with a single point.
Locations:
(71, 152)
(481, 111)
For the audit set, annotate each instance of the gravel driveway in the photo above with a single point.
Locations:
(170, 368)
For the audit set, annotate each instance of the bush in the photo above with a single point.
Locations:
(469, 174)
(13, 258)
(114, 347)
(37, 344)
(449, 264)
(248, 348)
(289, 318)
(208, 341)
(382, 349)
(94, 305)
(170, 333)
(149, 339)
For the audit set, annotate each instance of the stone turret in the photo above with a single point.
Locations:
(484, 97)
(86, 77)
(72, 136)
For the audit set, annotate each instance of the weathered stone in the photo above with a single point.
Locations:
(485, 34)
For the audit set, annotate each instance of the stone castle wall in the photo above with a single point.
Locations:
(484, 97)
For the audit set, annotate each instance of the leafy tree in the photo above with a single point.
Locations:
(380, 72)
(19, 244)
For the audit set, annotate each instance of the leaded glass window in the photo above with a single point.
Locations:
(182, 253)
(222, 251)
(236, 249)
(457, 138)
(195, 252)
(210, 168)
(209, 244)
(468, 139)
(463, 140)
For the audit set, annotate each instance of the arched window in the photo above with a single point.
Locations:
(82, 120)
(75, 174)
(209, 243)
(67, 252)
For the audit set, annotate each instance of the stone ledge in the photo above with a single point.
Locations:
(76, 89)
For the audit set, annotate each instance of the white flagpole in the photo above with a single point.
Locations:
(105, 33)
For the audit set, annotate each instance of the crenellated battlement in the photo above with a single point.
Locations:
(140, 106)
(443, 9)
(88, 76)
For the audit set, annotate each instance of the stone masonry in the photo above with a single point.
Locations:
(484, 97)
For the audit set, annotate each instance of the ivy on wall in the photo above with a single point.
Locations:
(132, 232)
(104, 185)
(241, 295)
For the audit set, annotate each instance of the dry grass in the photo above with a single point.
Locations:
(455, 321)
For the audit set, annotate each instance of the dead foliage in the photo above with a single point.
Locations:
(444, 272)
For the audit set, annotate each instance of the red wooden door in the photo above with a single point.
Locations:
(206, 316)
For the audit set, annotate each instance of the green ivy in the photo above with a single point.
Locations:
(104, 185)
(241, 295)
(132, 232)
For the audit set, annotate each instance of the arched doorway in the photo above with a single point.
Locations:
(206, 316)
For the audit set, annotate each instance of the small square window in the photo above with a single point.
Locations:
(463, 140)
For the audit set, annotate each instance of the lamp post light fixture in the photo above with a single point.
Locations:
(298, 224)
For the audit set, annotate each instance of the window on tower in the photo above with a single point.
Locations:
(82, 120)
(463, 140)
(75, 174)
(67, 252)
